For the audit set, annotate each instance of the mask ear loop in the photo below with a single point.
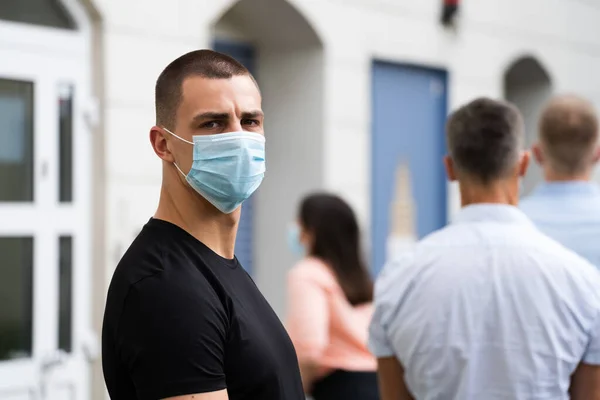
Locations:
(178, 137)
(183, 140)
(179, 169)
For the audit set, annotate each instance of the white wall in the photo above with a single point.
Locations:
(291, 82)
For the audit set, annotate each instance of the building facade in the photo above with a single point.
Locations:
(354, 91)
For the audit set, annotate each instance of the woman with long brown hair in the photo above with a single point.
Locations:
(329, 306)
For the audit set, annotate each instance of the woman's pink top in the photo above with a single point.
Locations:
(325, 328)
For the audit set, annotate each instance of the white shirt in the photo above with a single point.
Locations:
(568, 212)
(488, 308)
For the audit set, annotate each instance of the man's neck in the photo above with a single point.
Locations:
(500, 192)
(183, 207)
(553, 176)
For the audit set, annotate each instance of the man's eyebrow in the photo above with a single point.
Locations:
(253, 114)
(211, 115)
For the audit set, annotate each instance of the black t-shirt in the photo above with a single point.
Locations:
(180, 319)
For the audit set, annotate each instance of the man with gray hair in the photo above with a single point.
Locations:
(566, 206)
(488, 307)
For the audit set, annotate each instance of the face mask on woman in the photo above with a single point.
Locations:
(294, 243)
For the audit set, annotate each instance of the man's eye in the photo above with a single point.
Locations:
(251, 122)
(211, 125)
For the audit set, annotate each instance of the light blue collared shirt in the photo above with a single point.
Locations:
(568, 212)
(488, 308)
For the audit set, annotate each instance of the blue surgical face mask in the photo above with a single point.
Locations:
(227, 167)
(294, 243)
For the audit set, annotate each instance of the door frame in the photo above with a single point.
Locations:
(48, 57)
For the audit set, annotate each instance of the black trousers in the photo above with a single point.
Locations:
(347, 385)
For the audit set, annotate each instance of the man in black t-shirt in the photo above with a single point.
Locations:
(183, 319)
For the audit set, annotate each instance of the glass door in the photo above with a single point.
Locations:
(44, 229)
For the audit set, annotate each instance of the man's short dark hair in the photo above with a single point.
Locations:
(568, 133)
(204, 63)
(484, 139)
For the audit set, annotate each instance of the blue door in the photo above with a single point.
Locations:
(245, 54)
(409, 112)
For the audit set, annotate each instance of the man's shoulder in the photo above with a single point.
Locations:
(410, 259)
(552, 250)
(152, 270)
(156, 275)
(566, 265)
(156, 250)
(576, 265)
(143, 258)
(156, 292)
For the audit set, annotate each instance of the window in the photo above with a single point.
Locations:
(16, 297)
(65, 152)
(16, 136)
(37, 12)
(65, 293)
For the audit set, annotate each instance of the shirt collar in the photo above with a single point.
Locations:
(489, 212)
(567, 187)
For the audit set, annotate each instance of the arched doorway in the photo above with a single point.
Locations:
(527, 84)
(286, 56)
(45, 174)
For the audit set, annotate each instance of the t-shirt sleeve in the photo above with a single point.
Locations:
(592, 353)
(172, 339)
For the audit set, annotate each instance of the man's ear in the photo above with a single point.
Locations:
(159, 143)
(538, 154)
(449, 165)
(524, 163)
